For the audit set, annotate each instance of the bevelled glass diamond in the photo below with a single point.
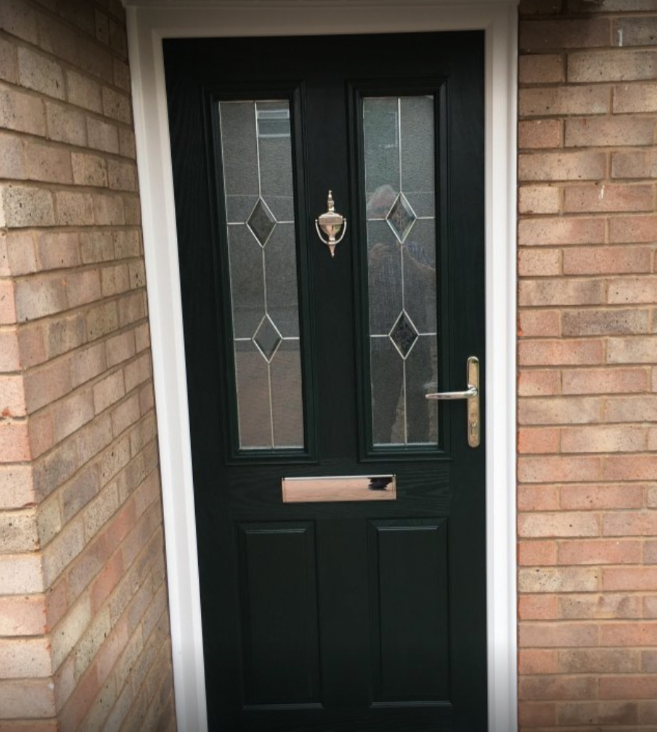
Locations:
(267, 338)
(403, 335)
(401, 217)
(261, 222)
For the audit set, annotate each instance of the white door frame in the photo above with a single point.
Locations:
(149, 21)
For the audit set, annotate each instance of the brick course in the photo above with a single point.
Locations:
(84, 629)
(587, 349)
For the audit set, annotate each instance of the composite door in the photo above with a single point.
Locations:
(340, 513)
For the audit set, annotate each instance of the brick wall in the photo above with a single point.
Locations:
(84, 630)
(587, 352)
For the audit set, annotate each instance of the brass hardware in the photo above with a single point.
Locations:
(339, 488)
(333, 224)
(472, 396)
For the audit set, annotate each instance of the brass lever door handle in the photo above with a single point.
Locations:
(472, 395)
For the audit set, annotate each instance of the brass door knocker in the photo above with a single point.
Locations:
(333, 224)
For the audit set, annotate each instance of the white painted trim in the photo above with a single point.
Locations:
(147, 26)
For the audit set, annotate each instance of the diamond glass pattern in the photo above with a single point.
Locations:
(267, 338)
(261, 222)
(401, 217)
(403, 335)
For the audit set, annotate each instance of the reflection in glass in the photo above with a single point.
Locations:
(259, 200)
(401, 244)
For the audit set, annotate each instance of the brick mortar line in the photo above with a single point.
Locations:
(31, 138)
(82, 308)
(77, 269)
(55, 187)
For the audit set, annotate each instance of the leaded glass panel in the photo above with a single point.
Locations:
(400, 191)
(259, 203)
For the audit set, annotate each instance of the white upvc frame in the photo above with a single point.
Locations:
(149, 21)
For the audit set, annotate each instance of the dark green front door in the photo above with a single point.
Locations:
(337, 604)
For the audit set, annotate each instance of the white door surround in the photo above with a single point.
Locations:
(149, 21)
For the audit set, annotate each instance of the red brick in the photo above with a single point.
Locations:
(599, 607)
(650, 606)
(58, 250)
(560, 352)
(557, 687)
(558, 635)
(561, 166)
(8, 310)
(608, 197)
(634, 164)
(539, 199)
(48, 163)
(551, 292)
(629, 578)
(536, 714)
(561, 231)
(81, 700)
(537, 498)
(598, 660)
(609, 131)
(582, 497)
(22, 615)
(624, 523)
(538, 440)
(111, 650)
(558, 579)
(109, 577)
(647, 711)
(591, 551)
(539, 262)
(609, 321)
(563, 100)
(629, 98)
(537, 553)
(556, 410)
(21, 112)
(640, 31)
(558, 524)
(605, 380)
(539, 134)
(606, 260)
(14, 442)
(537, 607)
(537, 661)
(632, 229)
(539, 323)
(632, 290)
(628, 687)
(640, 349)
(538, 383)
(605, 713)
(613, 65)
(541, 69)
(630, 467)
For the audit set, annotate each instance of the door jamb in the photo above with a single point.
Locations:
(150, 21)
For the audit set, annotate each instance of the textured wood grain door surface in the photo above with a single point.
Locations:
(325, 613)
